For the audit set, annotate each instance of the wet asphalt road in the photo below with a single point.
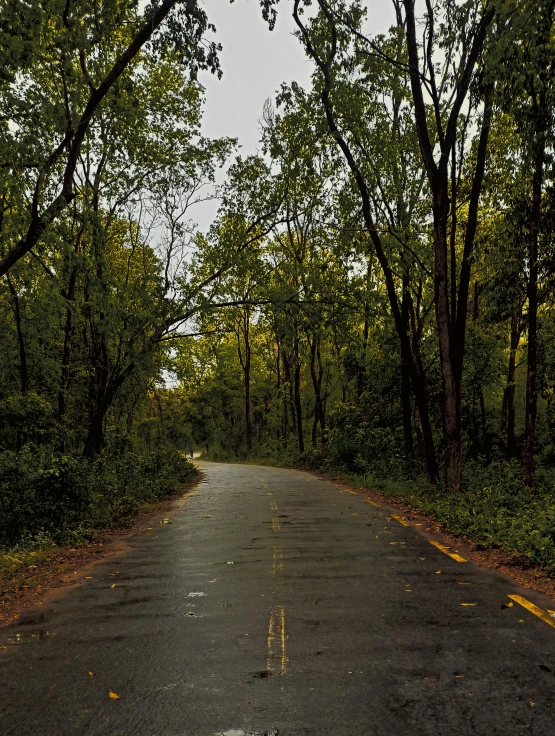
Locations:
(278, 603)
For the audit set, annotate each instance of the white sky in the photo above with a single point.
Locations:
(255, 61)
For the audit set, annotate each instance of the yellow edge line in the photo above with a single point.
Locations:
(367, 500)
(533, 609)
(401, 521)
(454, 555)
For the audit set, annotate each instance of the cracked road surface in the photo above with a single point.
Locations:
(277, 603)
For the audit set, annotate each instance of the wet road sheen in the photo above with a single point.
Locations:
(277, 603)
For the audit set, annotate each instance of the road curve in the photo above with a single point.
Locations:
(277, 603)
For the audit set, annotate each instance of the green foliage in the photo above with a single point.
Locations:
(46, 495)
(494, 509)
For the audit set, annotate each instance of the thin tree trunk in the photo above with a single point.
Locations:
(297, 397)
(278, 368)
(405, 384)
(508, 408)
(66, 353)
(23, 369)
(361, 377)
(527, 457)
(451, 387)
(420, 388)
(317, 377)
(21, 437)
(243, 332)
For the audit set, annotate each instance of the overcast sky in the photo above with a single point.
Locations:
(255, 61)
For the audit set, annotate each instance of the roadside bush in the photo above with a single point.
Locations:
(355, 445)
(67, 498)
(494, 509)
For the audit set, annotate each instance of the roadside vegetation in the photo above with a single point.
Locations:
(375, 296)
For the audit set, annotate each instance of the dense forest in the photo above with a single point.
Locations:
(375, 296)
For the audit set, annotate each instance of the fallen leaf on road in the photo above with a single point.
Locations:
(112, 695)
(461, 582)
(92, 674)
(468, 604)
(113, 585)
(438, 572)
(507, 605)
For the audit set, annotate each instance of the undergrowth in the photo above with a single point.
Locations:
(51, 498)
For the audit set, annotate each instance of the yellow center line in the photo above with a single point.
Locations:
(534, 609)
(400, 520)
(275, 525)
(277, 561)
(277, 655)
(273, 506)
(444, 549)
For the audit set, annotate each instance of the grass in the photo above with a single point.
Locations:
(24, 568)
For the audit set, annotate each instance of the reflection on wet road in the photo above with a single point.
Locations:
(274, 603)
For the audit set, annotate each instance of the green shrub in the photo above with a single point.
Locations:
(67, 498)
(494, 509)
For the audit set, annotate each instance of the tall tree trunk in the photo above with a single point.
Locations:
(420, 388)
(248, 418)
(451, 305)
(278, 369)
(94, 443)
(287, 399)
(361, 377)
(21, 436)
(325, 66)
(450, 385)
(319, 417)
(527, 458)
(481, 401)
(297, 396)
(23, 369)
(508, 408)
(405, 382)
(243, 333)
(66, 352)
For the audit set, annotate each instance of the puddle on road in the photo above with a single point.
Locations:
(23, 638)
